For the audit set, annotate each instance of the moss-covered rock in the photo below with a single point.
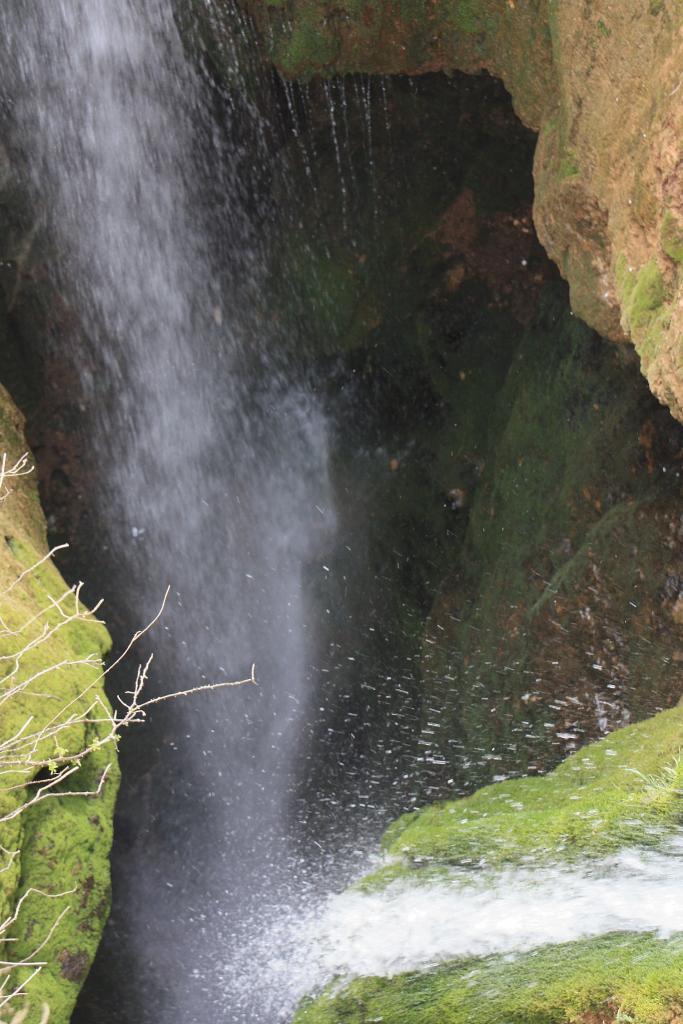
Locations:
(672, 237)
(58, 847)
(626, 978)
(413, 38)
(554, 621)
(624, 790)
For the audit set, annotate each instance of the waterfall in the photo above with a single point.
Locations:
(213, 469)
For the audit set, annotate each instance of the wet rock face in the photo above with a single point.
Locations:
(521, 496)
(38, 331)
(306, 37)
(517, 482)
(600, 83)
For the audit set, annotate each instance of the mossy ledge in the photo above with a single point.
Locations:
(628, 978)
(622, 791)
(63, 843)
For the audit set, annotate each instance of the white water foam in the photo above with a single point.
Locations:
(418, 924)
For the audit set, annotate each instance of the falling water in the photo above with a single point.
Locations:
(213, 465)
(329, 96)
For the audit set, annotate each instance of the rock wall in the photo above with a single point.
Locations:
(519, 485)
(599, 80)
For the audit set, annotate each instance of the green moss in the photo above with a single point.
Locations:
(469, 16)
(653, 337)
(64, 850)
(672, 237)
(62, 842)
(569, 167)
(643, 297)
(309, 37)
(642, 292)
(627, 977)
(624, 789)
(628, 788)
(648, 294)
(310, 43)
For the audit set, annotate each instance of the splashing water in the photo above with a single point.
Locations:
(416, 925)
